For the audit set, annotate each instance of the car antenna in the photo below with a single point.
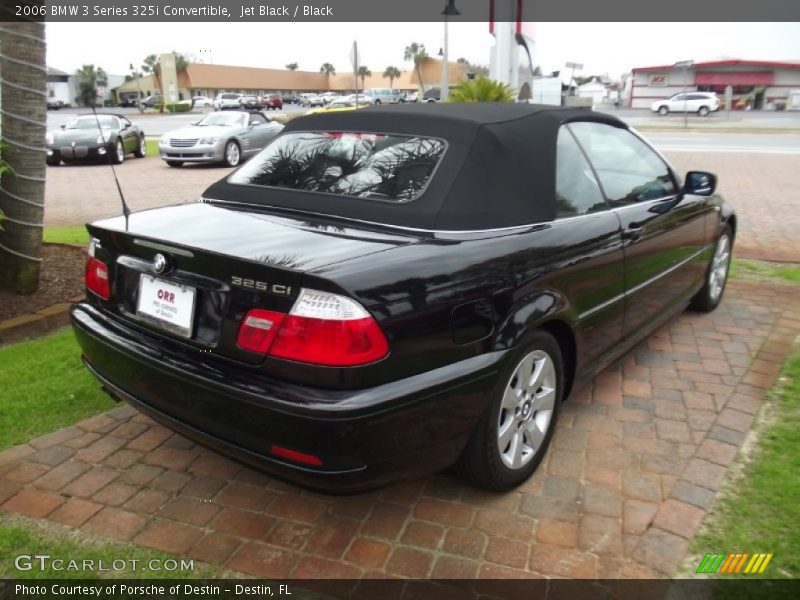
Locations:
(125, 210)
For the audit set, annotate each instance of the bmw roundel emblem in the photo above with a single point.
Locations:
(160, 263)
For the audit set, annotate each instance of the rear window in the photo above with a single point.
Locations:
(394, 168)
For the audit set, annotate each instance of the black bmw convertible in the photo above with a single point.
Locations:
(95, 137)
(381, 294)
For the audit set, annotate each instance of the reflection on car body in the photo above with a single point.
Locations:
(450, 273)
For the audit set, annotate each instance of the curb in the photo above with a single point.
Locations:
(37, 324)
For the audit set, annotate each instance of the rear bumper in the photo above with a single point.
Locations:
(364, 438)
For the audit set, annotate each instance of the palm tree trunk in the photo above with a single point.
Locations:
(23, 86)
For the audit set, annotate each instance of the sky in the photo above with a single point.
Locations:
(603, 48)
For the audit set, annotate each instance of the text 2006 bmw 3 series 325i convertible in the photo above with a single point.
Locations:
(382, 294)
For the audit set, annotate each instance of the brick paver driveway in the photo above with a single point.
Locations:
(635, 464)
(758, 185)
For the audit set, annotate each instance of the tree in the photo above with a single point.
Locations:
(391, 73)
(416, 52)
(150, 66)
(88, 78)
(363, 73)
(24, 101)
(482, 90)
(292, 66)
(328, 69)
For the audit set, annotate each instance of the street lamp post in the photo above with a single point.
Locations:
(685, 65)
(450, 10)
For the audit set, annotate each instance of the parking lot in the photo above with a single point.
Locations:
(639, 455)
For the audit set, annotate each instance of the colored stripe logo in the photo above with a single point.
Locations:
(735, 563)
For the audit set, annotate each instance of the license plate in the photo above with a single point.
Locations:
(166, 305)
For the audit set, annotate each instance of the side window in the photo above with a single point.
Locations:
(256, 119)
(628, 169)
(577, 191)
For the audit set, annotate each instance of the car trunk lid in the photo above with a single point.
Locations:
(192, 272)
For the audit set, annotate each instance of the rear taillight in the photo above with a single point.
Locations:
(258, 330)
(96, 276)
(321, 328)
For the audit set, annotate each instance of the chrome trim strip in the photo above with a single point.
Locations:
(641, 286)
(672, 269)
(162, 247)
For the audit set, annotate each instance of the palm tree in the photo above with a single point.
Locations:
(416, 52)
(391, 73)
(150, 66)
(292, 66)
(88, 78)
(363, 73)
(24, 101)
(329, 70)
(482, 90)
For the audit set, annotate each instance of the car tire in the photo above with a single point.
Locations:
(52, 162)
(430, 101)
(499, 456)
(663, 110)
(710, 295)
(175, 163)
(118, 154)
(703, 111)
(377, 102)
(141, 149)
(232, 154)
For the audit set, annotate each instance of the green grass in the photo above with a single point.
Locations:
(45, 387)
(30, 538)
(762, 512)
(66, 235)
(152, 148)
(764, 271)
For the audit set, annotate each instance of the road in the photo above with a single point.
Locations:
(751, 143)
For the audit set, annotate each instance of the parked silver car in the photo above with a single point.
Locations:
(226, 137)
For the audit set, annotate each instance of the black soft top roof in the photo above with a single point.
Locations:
(498, 169)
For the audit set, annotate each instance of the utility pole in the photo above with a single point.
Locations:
(450, 10)
(685, 65)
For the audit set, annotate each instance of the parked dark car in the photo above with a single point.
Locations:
(353, 307)
(273, 102)
(432, 95)
(249, 103)
(107, 137)
(291, 99)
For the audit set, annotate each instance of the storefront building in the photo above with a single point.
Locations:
(755, 84)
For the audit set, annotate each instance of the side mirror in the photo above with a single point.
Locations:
(700, 183)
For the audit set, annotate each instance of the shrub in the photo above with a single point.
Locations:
(178, 107)
(482, 90)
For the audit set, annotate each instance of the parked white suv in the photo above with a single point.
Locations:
(227, 100)
(701, 103)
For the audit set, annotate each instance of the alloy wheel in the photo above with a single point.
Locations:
(719, 267)
(526, 411)
(120, 152)
(232, 154)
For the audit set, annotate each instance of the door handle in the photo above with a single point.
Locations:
(633, 231)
